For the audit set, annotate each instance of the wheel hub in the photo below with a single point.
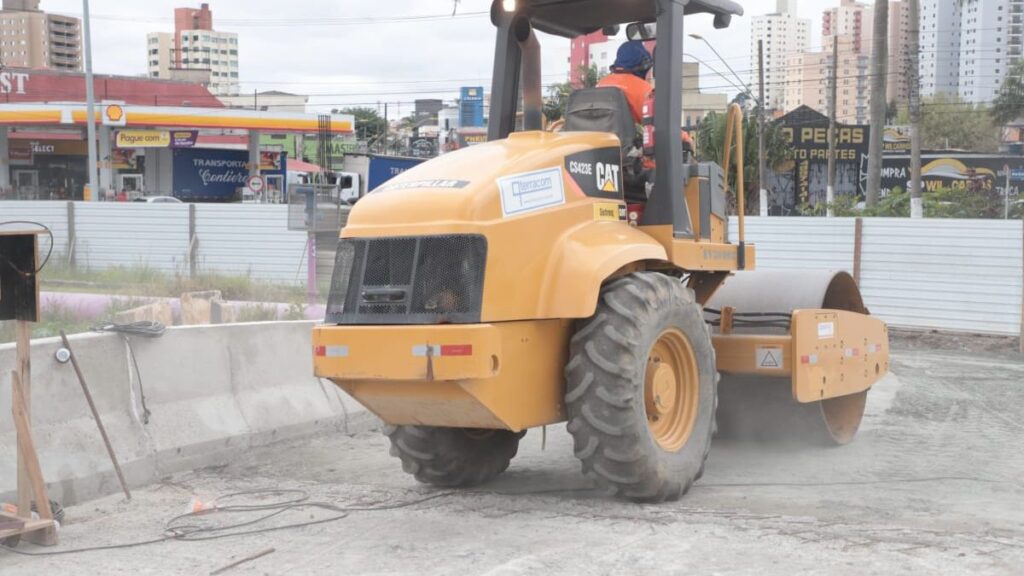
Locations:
(671, 384)
(662, 388)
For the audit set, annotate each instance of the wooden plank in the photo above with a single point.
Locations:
(35, 472)
(23, 331)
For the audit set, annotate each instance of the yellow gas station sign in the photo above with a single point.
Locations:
(143, 139)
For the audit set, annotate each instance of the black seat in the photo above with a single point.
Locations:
(601, 110)
(606, 110)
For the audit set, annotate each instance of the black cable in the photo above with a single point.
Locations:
(48, 252)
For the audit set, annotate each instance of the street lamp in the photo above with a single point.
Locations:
(762, 193)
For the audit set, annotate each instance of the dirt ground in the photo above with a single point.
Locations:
(932, 485)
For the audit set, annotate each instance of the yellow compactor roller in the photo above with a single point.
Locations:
(504, 286)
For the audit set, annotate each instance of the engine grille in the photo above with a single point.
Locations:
(408, 280)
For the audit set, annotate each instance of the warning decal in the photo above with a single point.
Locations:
(769, 358)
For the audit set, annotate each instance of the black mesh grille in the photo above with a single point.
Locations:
(409, 280)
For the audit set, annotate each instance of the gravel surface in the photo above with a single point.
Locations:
(932, 485)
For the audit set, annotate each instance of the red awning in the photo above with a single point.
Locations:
(300, 166)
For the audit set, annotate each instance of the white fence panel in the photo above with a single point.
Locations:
(132, 234)
(52, 214)
(944, 274)
(252, 240)
(799, 243)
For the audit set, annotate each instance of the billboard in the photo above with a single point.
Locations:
(209, 175)
(471, 106)
(978, 172)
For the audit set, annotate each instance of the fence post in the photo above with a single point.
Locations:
(72, 235)
(858, 237)
(193, 241)
(1021, 332)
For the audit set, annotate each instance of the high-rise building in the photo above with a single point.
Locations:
(31, 38)
(851, 19)
(990, 43)
(195, 52)
(783, 35)
(809, 81)
(897, 85)
(940, 47)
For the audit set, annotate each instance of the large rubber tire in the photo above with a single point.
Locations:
(605, 393)
(453, 457)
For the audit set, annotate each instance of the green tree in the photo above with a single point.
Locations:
(1009, 104)
(710, 138)
(369, 124)
(948, 122)
(558, 94)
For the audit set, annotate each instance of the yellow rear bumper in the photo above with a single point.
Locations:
(506, 375)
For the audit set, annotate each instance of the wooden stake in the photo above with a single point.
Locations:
(43, 534)
(23, 337)
(96, 415)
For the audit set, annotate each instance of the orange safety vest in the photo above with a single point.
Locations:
(636, 90)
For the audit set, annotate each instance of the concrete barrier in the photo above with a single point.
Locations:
(212, 391)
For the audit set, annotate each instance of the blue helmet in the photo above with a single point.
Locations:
(633, 57)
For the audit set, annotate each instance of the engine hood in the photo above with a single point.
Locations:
(502, 179)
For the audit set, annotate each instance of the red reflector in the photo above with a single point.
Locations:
(456, 350)
(320, 350)
(805, 359)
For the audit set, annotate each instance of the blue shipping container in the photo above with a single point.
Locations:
(384, 168)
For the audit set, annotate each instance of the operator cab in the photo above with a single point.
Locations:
(517, 60)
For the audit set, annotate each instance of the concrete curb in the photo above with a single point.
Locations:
(212, 392)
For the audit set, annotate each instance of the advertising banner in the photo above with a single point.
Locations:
(156, 138)
(209, 175)
(896, 139)
(975, 172)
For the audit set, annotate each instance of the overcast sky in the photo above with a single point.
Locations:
(314, 47)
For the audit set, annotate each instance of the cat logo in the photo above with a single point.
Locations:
(607, 177)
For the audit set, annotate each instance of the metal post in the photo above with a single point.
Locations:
(193, 241)
(830, 190)
(385, 151)
(72, 235)
(914, 76)
(90, 106)
(762, 162)
(1006, 194)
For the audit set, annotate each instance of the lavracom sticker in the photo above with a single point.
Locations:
(826, 330)
(597, 172)
(769, 358)
(531, 191)
(451, 184)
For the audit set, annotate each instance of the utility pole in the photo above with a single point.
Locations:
(385, 128)
(914, 77)
(879, 77)
(762, 162)
(833, 97)
(90, 107)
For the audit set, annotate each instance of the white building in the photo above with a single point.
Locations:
(602, 54)
(195, 48)
(990, 42)
(784, 35)
(940, 47)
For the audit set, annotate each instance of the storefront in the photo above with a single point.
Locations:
(154, 137)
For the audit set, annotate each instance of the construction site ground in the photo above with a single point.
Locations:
(932, 485)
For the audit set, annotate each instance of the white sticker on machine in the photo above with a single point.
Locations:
(769, 358)
(531, 191)
(826, 330)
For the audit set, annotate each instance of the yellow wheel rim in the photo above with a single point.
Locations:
(671, 390)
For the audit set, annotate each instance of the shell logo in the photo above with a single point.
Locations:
(115, 113)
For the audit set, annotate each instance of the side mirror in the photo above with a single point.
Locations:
(642, 31)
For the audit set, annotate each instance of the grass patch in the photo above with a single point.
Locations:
(53, 320)
(144, 281)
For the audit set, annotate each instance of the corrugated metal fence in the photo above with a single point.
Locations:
(933, 273)
(963, 275)
(231, 239)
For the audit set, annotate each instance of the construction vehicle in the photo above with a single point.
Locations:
(503, 286)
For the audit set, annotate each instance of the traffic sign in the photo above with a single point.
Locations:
(255, 184)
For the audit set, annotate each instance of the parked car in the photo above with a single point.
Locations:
(159, 200)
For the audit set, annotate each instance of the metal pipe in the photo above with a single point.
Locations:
(530, 70)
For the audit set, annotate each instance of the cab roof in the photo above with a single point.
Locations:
(571, 18)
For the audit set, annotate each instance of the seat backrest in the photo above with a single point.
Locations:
(600, 110)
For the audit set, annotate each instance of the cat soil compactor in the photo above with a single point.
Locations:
(507, 286)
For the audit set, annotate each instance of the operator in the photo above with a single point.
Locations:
(629, 74)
